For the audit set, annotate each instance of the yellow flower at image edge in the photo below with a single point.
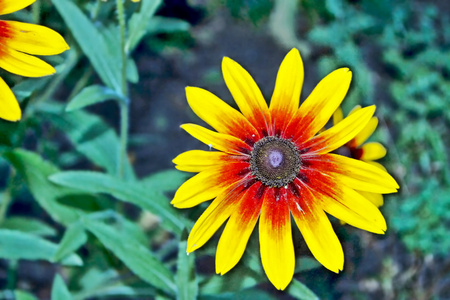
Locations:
(272, 164)
(17, 41)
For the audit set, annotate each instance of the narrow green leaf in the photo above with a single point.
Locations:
(28, 225)
(92, 95)
(59, 289)
(185, 278)
(300, 291)
(35, 172)
(303, 264)
(19, 245)
(132, 192)
(74, 237)
(92, 43)
(137, 26)
(133, 254)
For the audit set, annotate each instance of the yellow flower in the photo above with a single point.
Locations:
(271, 165)
(358, 149)
(17, 41)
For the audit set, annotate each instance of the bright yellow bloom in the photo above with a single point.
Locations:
(271, 164)
(17, 41)
(358, 149)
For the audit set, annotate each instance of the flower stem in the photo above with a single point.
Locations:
(124, 106)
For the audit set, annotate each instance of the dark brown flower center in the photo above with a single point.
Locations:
(275, 161)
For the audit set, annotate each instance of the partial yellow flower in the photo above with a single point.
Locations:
(357, 148)
(17, 41)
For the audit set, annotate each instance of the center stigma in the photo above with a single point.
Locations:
(275, 161)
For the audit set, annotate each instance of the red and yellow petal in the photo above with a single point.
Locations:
(219, 141)
(317, 109)
(31, 39)
(9, 107)
(23, 64)
(275, 238)
(339, 134)
(316, 229)
(239, 227)
(286, 96)
(9, 6)
(352, 172)
(199, 160)
(212, 218)
(372, 151)
(208, 184)
(220, 115)
(337, 199)
(247, 95)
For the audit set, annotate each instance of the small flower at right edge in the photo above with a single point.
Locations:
(357, 148)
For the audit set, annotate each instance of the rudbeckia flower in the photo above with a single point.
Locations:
(272, 164)
(17, 41)
(357, 148)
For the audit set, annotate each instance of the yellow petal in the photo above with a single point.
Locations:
(378, 165)
(341, 133)
(211, 219)
(239, 227)
(32, 39)
(352, 208)
(219, 141)
(198, 160)
(9, 6)
(364, 134)
(338, 116)
(376, 199)
(286, 96)
(372, 151)
(275, 238)
(220, 115)
(246, 94)
(9, 108)
(318, 108)
(23, 64)
(317, 231)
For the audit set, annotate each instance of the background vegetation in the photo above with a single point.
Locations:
(84, 211)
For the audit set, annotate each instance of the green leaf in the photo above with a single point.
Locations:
(35, 172)
(303, 264)
(25, 88)
(21, 295)
(165, 181)
(300, 291)
(90, 135)
(92, 95)
(185, 278)
(158, 24)
(19, 245)
(137, 26)
(133, 254)
(59, 289)
(74, 237)
(92, 43)
(132, 192)
(28, 225)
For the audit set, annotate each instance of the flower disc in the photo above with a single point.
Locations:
(275, 161)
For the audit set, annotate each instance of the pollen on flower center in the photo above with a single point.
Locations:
(275, 161)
